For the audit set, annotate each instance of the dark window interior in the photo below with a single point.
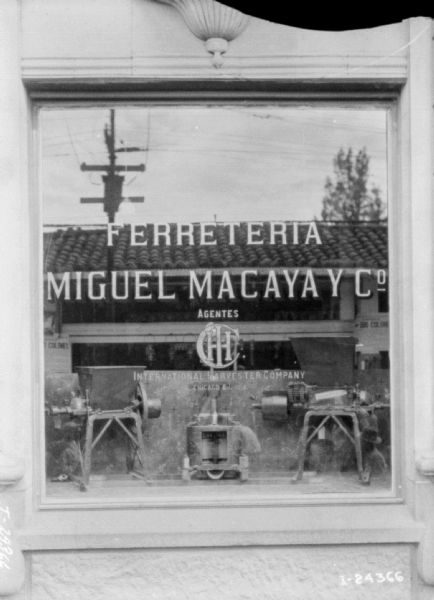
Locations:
(181, 356)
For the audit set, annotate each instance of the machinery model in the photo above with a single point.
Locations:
(217, 444)
(108, 396)
(348, 410)
(279, 405)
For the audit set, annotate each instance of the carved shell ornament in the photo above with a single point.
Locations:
(212, 22)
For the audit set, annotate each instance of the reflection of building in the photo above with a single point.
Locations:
(314, 330)
(229, 544)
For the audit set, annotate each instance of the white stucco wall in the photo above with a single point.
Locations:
(307, 573)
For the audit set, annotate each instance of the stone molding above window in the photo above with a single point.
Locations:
(212, 22)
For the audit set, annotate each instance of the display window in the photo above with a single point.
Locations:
(214, 300)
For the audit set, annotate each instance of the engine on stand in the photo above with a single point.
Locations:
(108, 396)
(348, 412)
(217, 444)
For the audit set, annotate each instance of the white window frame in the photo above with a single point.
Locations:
(289, 504)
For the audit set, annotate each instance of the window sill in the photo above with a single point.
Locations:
(320, 524)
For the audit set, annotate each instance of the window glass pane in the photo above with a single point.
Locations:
(215, 300)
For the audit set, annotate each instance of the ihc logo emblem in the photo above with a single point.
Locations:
(217, 346)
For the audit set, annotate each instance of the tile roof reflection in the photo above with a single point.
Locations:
(344, 245)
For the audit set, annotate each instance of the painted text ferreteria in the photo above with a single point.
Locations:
(256, 233)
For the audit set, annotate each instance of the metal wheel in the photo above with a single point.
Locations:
(148, 408)
(215, 474)
(141, 399)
